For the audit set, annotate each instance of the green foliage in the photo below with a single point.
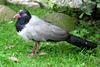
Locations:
(98, 5)
(97, 0)
(66, 10)
(87, 30)
(88, 7)
(49, 2)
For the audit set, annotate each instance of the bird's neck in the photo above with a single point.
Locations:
(21, 22)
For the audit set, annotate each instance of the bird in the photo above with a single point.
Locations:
(31, 27)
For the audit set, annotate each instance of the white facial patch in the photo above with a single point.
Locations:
(20, 10)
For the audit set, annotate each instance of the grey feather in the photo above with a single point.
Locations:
(40, 30)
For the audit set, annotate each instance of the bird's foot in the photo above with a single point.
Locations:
(35, 49)
(32, 54)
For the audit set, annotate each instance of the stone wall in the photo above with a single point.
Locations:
(71, 3)
(29, 3)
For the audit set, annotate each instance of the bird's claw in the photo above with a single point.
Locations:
(32, 54)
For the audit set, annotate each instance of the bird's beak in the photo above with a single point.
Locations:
(17, 16)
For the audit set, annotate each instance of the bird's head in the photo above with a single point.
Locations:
(23, 13)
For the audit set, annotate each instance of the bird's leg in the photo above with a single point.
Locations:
(36, 47)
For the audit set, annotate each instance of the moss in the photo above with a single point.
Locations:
(2, 1)
(64, 21)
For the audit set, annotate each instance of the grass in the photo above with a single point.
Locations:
(58, 54)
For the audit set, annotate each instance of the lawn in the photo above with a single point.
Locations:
(59, 54)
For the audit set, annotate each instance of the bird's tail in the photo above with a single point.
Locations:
(79, 42)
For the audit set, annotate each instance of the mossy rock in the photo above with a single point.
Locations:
(6, 14)
(2, 1)
(64, 21)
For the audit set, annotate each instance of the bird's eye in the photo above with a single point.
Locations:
(21, 13)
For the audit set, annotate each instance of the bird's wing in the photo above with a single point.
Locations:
(42, 31)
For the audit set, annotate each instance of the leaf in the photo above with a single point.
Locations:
(9, 46)
(13, 58)
(98, 5)
(97, 35)
(97, 0)
(42, 53)
(81, 15)
(88, 7)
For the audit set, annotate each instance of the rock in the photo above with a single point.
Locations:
(2, 1)
(6, 14)
(49, 3)
(29, 3)
(70, 3)
(64, 21)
